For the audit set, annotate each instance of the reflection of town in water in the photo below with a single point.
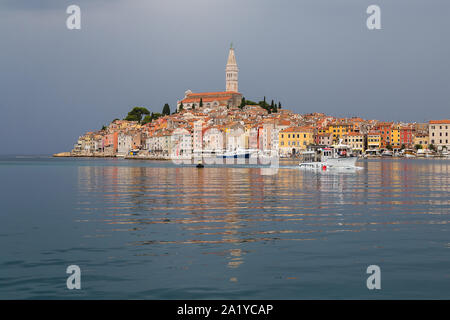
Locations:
(160, 204)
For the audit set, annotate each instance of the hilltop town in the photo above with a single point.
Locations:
(226, 121)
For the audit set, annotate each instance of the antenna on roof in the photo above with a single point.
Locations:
(231, 45)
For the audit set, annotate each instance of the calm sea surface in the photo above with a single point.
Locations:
(155, 230)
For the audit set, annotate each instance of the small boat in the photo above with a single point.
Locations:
(387, 153)
(409, 153)
(200, 165)
(336, 156)
(372, 153)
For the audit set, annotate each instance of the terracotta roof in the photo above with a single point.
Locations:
(354, 134)
(297, 129)
(187, 100)
(445, 121)
(212, 93)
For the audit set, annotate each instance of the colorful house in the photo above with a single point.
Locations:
(294, 139)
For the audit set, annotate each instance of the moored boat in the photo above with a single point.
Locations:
(387, 153)
(336, 156)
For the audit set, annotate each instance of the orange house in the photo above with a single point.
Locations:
(385, 131)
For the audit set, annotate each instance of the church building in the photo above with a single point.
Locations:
(228, 98)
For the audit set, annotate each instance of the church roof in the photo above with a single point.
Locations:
(196, 99)
(212, 93)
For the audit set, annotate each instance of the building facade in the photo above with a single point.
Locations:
(439, 134)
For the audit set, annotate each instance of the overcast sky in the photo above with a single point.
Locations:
(312, 55)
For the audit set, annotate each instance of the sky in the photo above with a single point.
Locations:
(312, 55)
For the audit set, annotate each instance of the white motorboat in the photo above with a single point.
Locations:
(337, 156)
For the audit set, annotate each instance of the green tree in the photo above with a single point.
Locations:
(201, 103)
(432, 147)
(279, 105)
(389, 147)
(166, 110)
(418, 146)
(181, 106)
(403, 147)
(156, 115)
(263, 104)
(103, 128)
(242, 103)
(136, 114)
(147, 119)
(251, 103)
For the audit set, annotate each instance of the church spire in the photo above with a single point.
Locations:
(231, 71)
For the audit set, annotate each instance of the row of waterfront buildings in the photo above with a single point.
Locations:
(225, 128)
(221, 121)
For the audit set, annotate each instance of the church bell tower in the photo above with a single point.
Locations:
(231, 72)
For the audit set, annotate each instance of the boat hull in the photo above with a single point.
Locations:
(341, 162)
(349, 162)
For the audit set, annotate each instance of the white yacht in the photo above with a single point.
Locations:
(336, 156)
(387, 153)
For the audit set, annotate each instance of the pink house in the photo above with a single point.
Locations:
(110, 141)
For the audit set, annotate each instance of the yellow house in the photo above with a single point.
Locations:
(373, 140)
(293, 139)
(395, 137)
(421, 139)
(339, 130)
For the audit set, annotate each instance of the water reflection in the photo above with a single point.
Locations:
(163, 205)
